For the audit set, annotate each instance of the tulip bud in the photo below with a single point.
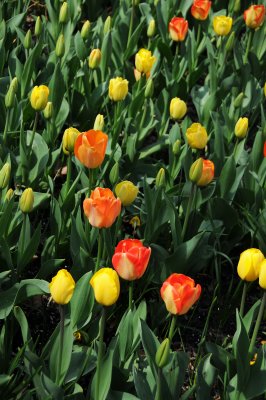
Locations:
(178, 108)
(62, 287)
(39, 97)
(262, 274)
(163, 353)
(156, 3)
(10, 97)
(106, 286)
(230, 42)
(114, 173)
(107, 25)
(48, 111)
(239, 100)
(27, 40)
(127, 192)
(135, 2)
(95, 58)
(241, 128)
(14, 84)
(26, 201)
(151, 28)
(237, 5)
(196, 170)
(85, 30)
(99, 123)
(9, 194)
(149, 89)
(160, 178)
(69, 138)
(63, 14)
(60, 46)
(38, 26)
(5, 175)
(176, 147)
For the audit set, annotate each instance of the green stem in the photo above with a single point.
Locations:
(257, 325)
(100, 352)
(188, 210)
(159, 385)
(198, 34)
(117, 228)
(6, 126)
(116, 131)
(131, 23)
(61, 343)
(91, 179)
(69, 171)
(130, 295)
(172, 328)
(250, 36)
(33, 134)
(99, 253)
(243, 299)
(236, 144)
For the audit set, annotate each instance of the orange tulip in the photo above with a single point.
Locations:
(178, 28)
(207, 173)
(179, 293)
(90, 148)
(200, 9)
(131, 259)
(254, 16)
(102, 208)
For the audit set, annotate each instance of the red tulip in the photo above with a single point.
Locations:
(254, 16)
(178, 28)
(200, 9)
(131, 259)
(179, 293)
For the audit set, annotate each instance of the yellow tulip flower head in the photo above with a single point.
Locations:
(249, 264)
(118, 89)
(106, 286)
(222, 25)
(39, 97)
(127, 192)
(144, 61)
(62, 287)
(196, 136)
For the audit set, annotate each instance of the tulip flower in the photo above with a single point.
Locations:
(90, 148)
(126, 191)
(262, 274)
(241, 128)
(249, 264)
(144, 61)
(254, 16)
(200, 9)
(26, 201)
(178, 108)
(62, 287)
(264, 89)
(118, 89)
(179, 293)
(69, 138)
(99, 122)
(5, 172)
(39, 97)
(95, 58)
(85, 30)
(178, 28)
(131, 259)
(197, 136)
(207, 173)
(106, 286)
(102, 208)
(222, 25)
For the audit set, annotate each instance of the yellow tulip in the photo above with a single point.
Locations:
(99, 122)
(118, 89)
(241, 128)
(95, 58)
(127, 192)
(26, 201)
(144, 61)
(69, 138)
(249, 264)
(106, 286)
(262, 274)
(178, 108)
(39, 97)
(222, 25)
(5, 172)
(264, 89)
(197, 136)
(62, 287)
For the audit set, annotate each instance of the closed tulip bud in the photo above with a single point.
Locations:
(14, 84)
(197, 136)
(27, 40)
(178, 28)
(39, 97)
(248, 267)
(107, 25)
(114, 173)
(106, 286)
(149, 89)
(178, 108)
(62, 287)
(95, 58)
(160, 178)
(176, 147)
(69, 139)
(48, 111)
(99, 123)
(5, 175)
(151, 28)
(239, 100)
(222, 25)
(163, 353)
(26, 201)
(254, 16)
(241, 128)
(230, 42)
(10, 97)
(136, 2)
(85, 30)
(237, 6)
(207, 174)
(118, 89)
(60, 46)
(196, 170)
(127, 192)
(9, 194)
(262, 274)
(38, 26)
(63, 14)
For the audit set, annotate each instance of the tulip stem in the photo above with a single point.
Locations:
(131, 23)
(257, 325)
(130, 295)
(100, 352)
(243, 299)
(159, 384)
(99, 253)
(69, 171)
(172, 328)
(250, 37)
(33, 134)
(188, 210)
(61, 343)
(198, 34)
(6, 126)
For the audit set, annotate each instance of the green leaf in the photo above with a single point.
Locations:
(82, 302)
(227, 176)
(205, 378)
(150, 344)
(240, 344)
